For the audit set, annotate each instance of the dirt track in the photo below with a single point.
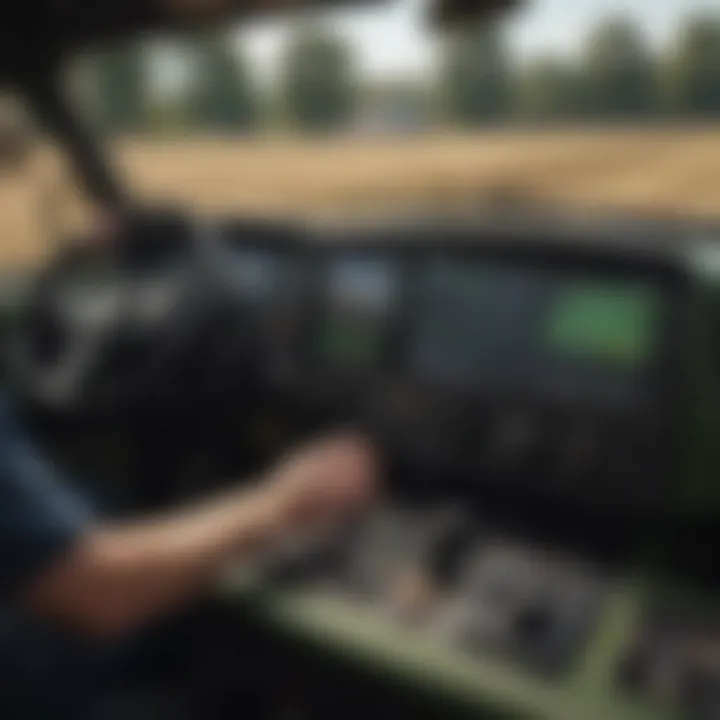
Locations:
(664, 172)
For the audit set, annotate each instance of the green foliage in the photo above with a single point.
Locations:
(223, 97)
(118, 89)
(318, 84)
(400, 91)
(549, 89)
(170, 115)
(692, 74)
(619, 74)
(400, 101)
(478, 83)
(475, 76)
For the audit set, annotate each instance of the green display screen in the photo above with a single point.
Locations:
(609, 322)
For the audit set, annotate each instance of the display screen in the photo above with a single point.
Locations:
(254, 273)
(521, 327)
(360, 294)
(607, 322)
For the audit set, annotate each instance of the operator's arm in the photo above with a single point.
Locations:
(57, 561)
(116, 577)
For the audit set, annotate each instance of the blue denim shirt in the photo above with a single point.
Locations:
(42, 673)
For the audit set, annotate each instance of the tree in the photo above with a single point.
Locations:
(692, 78)
(549, 89)
(223, 96)
(118, 90)
(619, 73)
(475, 76)
(318, 84)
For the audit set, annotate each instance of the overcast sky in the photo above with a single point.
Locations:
(393, 39)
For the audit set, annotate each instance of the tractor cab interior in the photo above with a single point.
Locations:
(543, 392)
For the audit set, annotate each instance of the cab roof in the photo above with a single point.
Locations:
(36, 35)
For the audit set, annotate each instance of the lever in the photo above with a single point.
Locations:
(454, 531)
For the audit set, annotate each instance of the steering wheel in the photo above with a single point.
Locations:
(103, 324)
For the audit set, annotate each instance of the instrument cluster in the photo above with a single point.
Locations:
(482, 369)
(512, 373)
(479, 367)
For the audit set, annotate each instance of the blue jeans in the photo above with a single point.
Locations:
(43, 675)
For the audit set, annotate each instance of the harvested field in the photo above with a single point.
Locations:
(663, 172)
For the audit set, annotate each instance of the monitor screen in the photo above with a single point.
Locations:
(359, 296)
(608, 322)
(521, 327)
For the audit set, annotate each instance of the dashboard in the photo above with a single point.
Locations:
(551, 376)
(527, 403)
(525, 397)
(508, 326)
(501, 366)
(480, 365)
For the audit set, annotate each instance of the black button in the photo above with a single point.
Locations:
(534, 623)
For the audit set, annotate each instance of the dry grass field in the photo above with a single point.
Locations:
(661, 171)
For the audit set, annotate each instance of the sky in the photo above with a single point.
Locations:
(393, 40)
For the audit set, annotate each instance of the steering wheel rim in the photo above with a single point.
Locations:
(156, 315)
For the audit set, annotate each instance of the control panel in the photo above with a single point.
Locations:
(446, 598)
(512, 393)
(534, 608)
(433, 570)
(543, 377)
(674, 659)
(541, 383)
(493, 368)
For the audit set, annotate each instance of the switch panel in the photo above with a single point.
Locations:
(675, 660)
(530, 607)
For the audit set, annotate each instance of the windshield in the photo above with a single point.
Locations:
(558, 102)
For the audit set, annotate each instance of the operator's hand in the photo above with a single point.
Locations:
(326, 482)
(106, 224)
(117, 577)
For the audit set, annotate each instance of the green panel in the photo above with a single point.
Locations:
(357, 633)
(611, 322)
